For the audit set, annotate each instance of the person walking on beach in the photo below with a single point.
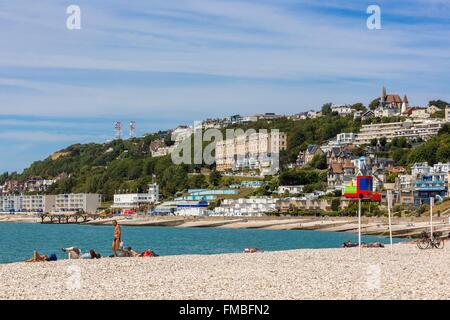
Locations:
(117, 236)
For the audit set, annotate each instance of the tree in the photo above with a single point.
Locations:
(439, 103)
(335, 204)
(374, 142)
(326, 108)
(359, 107)
(214, 177)
(319, 162)
(197, 181)
(374, 103)
(174, 179)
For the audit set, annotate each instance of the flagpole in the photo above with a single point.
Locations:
(431, 217)
(359, 227)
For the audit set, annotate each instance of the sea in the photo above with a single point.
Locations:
(19, 240)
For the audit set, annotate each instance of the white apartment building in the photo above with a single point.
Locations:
(27, 203)
(420, 169)
(87, 202)
(290, 189)
(162, 151)
(346, 138)
(405, 183)
(385, 112)
(342, 110)
(254, 151)
(135, 200)
(420, 113)
(254, 206)
(410, 129)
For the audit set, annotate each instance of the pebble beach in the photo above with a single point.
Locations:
(406, 273)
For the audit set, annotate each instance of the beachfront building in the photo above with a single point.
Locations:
(27, 203)
(430, 182)
(74, 202)
(254, 151)
(192, 208)
(405, 187)
(128, 201)
(286, 205)
(253, 206)
(410, 129)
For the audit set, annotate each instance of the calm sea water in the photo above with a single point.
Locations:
(18, 240)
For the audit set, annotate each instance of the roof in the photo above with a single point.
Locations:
(348, 165)
(393, 98)
(408, 110)
(336, 168)
(312, 148)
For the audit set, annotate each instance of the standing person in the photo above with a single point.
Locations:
(117, 236)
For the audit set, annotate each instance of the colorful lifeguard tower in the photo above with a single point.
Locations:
(363, 190)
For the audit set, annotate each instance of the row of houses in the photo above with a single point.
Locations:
(30, 185)
(252, 206)
(258, 206)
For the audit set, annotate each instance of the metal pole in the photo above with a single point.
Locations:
(389, 199)
(431, 217)
(359, 227)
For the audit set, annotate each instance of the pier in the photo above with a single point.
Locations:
(71, 218)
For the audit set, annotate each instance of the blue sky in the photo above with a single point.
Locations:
(164, 63)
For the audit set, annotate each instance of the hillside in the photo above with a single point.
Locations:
(128, 165)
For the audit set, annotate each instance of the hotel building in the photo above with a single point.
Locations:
(251, 151)
(27, 203)
(126, 201)
(87, 202)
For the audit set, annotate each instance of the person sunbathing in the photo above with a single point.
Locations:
(94, 255)
(72, 252)
(147, 253)
(132, 253)
(38, 258)
(373, 245)
(349, 244)
(251, 250)
(75, 253)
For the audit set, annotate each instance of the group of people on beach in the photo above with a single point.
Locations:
(118, 250)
